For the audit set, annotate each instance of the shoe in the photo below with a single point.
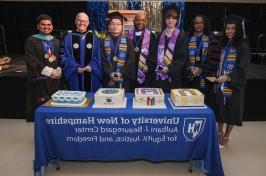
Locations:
(221, 146)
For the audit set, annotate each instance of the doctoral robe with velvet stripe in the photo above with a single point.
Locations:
(80, 50)
(191, 81)
(209, 69)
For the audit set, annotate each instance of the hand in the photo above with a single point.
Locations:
(222, 79)
(116, 76)
(165, 69)
(60, 74)
(145, 69)
(59, 71)
(55, 74)
(196, 71)
(87, 68)
(80, 70)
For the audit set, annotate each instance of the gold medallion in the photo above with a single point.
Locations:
(53, 58)
(46, 56)
(115, 58)
(197, 58)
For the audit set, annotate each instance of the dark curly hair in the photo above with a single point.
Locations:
(207, 27)
(238, 37)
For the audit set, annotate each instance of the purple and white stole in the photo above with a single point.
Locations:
(144, 52)
(165, 58)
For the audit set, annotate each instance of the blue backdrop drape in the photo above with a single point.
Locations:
(98, 11)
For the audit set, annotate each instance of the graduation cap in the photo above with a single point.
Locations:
(237, 20)
(116, 15)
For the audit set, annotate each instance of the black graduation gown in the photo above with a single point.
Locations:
(176, 67)
(39, 87)
(150, 62)
(127, 71)
(231, 111)
(190, 81)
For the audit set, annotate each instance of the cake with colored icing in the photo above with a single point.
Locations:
(149, 97)
(187, 97)
(65, 97)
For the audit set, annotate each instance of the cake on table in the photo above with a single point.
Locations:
(109, 98)
(71, 98)
(4, 63)
(148, 97)
(187, 97)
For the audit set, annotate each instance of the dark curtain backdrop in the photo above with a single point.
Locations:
(18, 18)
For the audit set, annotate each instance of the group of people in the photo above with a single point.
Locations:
(172, 60)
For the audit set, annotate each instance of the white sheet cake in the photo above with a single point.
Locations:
(187, 97)
(149, 96)
(110, 96)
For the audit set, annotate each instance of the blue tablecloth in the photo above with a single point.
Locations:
(127, 134)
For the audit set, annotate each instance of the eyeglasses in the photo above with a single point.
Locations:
(82, 21)
(115, 24)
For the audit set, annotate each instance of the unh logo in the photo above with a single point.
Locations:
(193, 127)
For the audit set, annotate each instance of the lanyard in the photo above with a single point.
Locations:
(48, 47)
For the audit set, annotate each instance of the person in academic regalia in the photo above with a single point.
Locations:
(118, 56)
(171, 53)
(203, 58)
(41, 54)
(231, 77)
(81, 60)
(145, 43)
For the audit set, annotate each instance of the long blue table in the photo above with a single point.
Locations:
(127, 134)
